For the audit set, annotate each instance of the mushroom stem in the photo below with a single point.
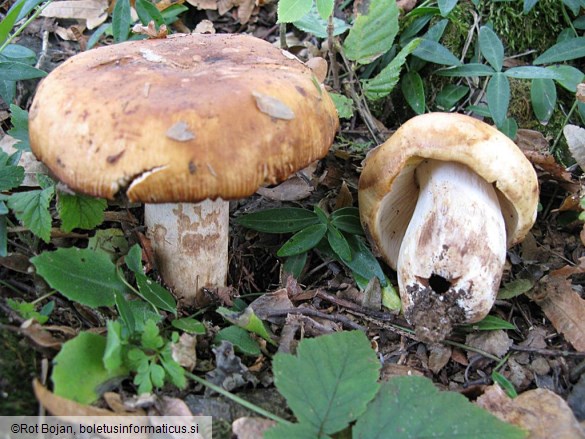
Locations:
(190, 243)
(452, 255)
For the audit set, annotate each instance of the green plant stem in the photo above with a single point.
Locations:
(23, 26)
(553, 148)
(46, 296)
(568, 19)
(237, 399)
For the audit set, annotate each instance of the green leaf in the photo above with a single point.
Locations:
(174, 371)
(16, 52)
(148, 12)
(528, 5)
(450, 95)
(363, 262)
(570, 76)
(150, 338)
(292, 10)
(78, 370)
(312, 23)
(3, 234)
(294, 265)
(505, 384)
(9, 20)
(133, 259)
(125, 312)
(564, 51)
(373, 32)
(27, 310)
(490, 323)
(294, 431)
(390, 297)
(413, 91)
(80, 211)
(412, 407)
(121, 20)
(491, 48)
(303, 241)
(515, 288)
(19, 130)
(111, 241)
(240, 339)
(532, 72)
(325, 8)
(330, 380)
(32, 209)
(279, 220)
(467, 70)
(446, 6)
(189, 325)
(338, 243)
(347, 219)
(248, 321)
(343, 105)
(383, 83)
(155, 294)
(112, 357)
(509, 127)
(432, 51)
(157, 375)
(143, 312)
(18, 71)
(82, 275)
(498, 97)
(11, 176)
(543, 95)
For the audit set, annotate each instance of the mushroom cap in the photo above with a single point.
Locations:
(180, 119)
(388, 192)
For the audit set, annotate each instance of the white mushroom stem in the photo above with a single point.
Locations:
(190, 242)
(452, 255)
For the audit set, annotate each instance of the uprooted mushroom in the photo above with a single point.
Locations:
(177, 121)
(441, 201)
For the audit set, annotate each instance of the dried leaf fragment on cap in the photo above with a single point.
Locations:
(273, 107)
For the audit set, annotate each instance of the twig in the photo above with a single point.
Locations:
(314, 313)
(332, 53)
(548, 352)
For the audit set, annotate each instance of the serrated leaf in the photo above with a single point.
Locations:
(19, 130)
(498, 97)
(515, 288)
(564, 51)
(293, 10)
(412, 407)
(32, 209)
(82, 275)
(491, 48)
(150, 338)
(325, 8)
(121, 20)
(338, 243)
(247, 320)
(543, 95)
(189, 325)
(312, 23)
(303, 241)
(383, 83)
(413, 90)
(10, 176)
(78, 370)
(18, 71)
(532, 72)
(175, 373)
(279, 220)
(570, 76)
(373, 32)
(343, 105)
(80, 211)
(347, 219)
(467, 70)
(435, 52)
(450, 95)
(446, 6)
(330, 380)
(240, 339)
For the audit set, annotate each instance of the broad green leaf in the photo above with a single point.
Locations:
(570, 76)
(112, 357)
(294, 265)
(16, 52)
(143, 313)
(82, 275)
(125, 311)
(565, 51)
(480, 110)
(390, 297)
(343, 105)
(498, 97)
(413, 29)
(543, 95)
(29, 5)
(528, 5)
(9, 19)
(189, 325)
(80, 211)
(330, 380)
(509, 127)
(312, 23)
(279, 220)
(32, 209)
(413, 90)
(532, 72)
(363, 262)
(467, 70)
(446, 6)
(383, 83)
(247, 320)
(293, 10)
(7, 90)
(490, 323)
(79, 373)
(19, 130)
(505, 384)
(325, 8)
(373, 32)
(579, 23)
(347, 219)
(491, 48)
(574, 5)
(412, 407)
(515, 288)
(338, 243)
(111, 241)
(97, 34)
(434, 52)
(450, 95)
(148, 12)
(303, 241)
(241, 340)
(133, 259)
(155, 294)
(18, 71)
(171, 14)
(121, 20)
(294, 431)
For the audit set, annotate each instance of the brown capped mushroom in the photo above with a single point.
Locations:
(187, 119)
(441, 201)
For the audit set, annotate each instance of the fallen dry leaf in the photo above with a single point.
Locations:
(439, 356)
(495, 342)
(115, 403)
(575, 137)
(245, 10)
(406, 5)
(180, 132)
(94, 12)
(204, 27)
(150, 31)
(543, 413)
(41, 335)
(251, 427)
(168, 406)
(319, 68)
(273, 107)
(580, 95)
(266, 304)
(293, 189)
(203, 4)
(344, 197)
(184, 351)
